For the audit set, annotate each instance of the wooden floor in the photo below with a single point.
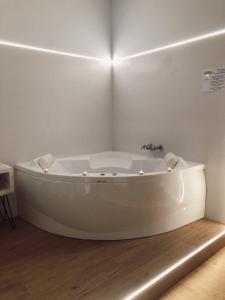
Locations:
(206, 282)
(36, 265)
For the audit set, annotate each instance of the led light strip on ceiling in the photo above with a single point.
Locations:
(173, 267)
(45, 50)
(173, 45)
(115, 60)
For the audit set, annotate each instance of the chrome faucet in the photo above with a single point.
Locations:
(152, 147)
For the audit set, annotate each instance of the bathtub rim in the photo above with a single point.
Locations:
(26, 167)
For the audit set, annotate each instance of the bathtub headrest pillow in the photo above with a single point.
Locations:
(45, 162)
(174, 161)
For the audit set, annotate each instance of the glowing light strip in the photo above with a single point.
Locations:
(115, 60)
(173, 45)
(45, 50)
(173, 267)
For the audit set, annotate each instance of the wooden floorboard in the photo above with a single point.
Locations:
(37, 265)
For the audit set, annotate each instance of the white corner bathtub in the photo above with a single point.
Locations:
(113, 200)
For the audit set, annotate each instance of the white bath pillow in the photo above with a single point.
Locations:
(45, 161)
(174, 161)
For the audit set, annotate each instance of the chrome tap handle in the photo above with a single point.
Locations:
(152, 147)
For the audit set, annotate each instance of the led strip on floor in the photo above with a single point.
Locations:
(173, 267)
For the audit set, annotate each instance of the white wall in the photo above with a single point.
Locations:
(50, 102)
(80, 26)
(53, 103)
(158, 97)
(140, 25)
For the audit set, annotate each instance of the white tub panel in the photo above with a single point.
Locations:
(111, 210)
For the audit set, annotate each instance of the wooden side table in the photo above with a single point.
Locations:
(6, 187)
